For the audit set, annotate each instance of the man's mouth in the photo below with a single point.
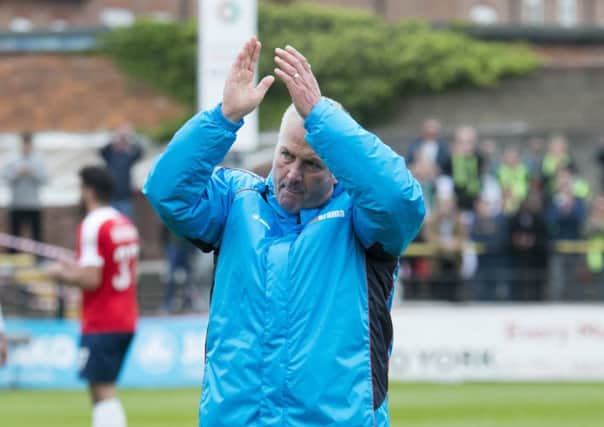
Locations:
(293, 190)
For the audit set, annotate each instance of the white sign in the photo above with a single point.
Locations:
(156, 351)
(224, 26)
(504, 343)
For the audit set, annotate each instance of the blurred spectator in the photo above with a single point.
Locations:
(557, 157)
(565, 216)
(464, 167)
(594, 234)
(488, 154)
(567, 210)
(415, 271)
(25, 174)
(533, 160)
(426, 173)
(120, 155)
(445, 231)
(600, 159)
(513, 177)
(429, 145)
(489, 230)
(528, 252)
(3, 342)
(179, 253)
(490, 190)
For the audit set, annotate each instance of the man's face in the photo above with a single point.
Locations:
(431, 130)
(302, 181)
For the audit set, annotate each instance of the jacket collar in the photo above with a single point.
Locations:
(305, 215)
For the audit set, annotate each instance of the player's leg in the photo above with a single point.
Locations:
(107, 410)
(102, 356)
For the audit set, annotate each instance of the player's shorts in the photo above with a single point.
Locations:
(102, 356)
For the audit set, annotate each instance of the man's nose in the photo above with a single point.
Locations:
(295, 172)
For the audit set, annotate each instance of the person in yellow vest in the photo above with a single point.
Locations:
(556, 158)
(464, 167)
(513, 177)
(445, 230)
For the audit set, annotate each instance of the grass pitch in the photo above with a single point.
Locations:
(411, 405)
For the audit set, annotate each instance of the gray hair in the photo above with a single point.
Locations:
(291, 113)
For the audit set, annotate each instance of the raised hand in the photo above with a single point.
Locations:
(241, 96)
(295, 71)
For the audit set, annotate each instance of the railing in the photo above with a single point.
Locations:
(26, 290)
(563, 276)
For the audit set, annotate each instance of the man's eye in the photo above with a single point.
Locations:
(286, 155)
(314, 166)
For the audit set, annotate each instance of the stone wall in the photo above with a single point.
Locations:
(550, 101)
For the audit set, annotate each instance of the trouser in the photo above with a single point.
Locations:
(20, 217)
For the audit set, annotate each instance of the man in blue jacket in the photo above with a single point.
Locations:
(299, 329)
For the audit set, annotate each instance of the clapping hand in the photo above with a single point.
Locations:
(241, 95)
(296, 73)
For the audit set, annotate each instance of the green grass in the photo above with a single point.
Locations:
(411, 405)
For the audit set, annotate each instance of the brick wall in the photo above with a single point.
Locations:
(60, 223)
(86, 13)
(508, 11)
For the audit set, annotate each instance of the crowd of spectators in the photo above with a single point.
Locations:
(504, 223)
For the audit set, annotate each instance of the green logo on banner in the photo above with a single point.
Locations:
(229, 11)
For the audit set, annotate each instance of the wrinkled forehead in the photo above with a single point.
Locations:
(293, 138)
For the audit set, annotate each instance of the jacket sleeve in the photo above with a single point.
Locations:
(388, 206)
(189, 196)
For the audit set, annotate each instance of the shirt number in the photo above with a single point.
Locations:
(124, 257)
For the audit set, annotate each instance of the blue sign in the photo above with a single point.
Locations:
(166, 352)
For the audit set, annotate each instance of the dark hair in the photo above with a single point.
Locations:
(26, 137)
(99, 180)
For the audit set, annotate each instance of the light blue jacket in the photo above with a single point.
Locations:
(299, 329)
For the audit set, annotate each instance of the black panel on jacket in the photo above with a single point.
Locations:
(203, 246)
(380, 269)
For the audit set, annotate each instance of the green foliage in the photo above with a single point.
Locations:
(160, 54)
(359, 59)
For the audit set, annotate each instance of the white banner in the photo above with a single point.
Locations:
(503, 343)
(224, 26)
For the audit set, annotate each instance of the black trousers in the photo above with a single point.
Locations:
(20, 217)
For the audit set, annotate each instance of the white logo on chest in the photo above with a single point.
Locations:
(330, 215)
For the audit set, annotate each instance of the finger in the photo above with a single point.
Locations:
(286, 78)
(255, 56)
(238, 64)
(246, 54)
(290, 49)
(264, 86)
(286, 66)
(290, 59)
